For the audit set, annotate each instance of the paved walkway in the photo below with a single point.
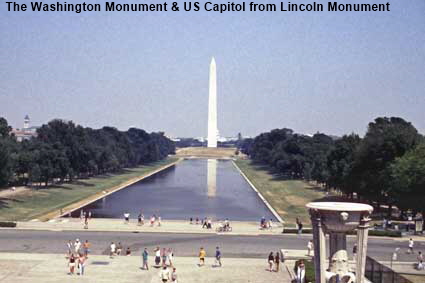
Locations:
(45, 268)
(170, 226)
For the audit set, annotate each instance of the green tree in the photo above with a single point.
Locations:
(408, 180)
(385, 140)
(340, 163)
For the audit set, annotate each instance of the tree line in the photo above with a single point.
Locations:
(386, 166)
(63, 151)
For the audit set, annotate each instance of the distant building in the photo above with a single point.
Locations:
(27, 132)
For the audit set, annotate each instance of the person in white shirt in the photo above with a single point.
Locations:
(127, 217)
(411, 244)
(309, 247)
(113, 248)
(164, 274)
(77, 246)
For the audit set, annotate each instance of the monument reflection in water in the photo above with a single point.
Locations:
(212, 178)
(192, 188)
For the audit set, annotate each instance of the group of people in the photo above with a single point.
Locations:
(117, 250)
(206, 222)
(420, 258)
(274, 261)
(153, 220)
(264, 224)
(77, 255)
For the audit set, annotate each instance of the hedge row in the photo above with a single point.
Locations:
(381, 233)
(7, 224)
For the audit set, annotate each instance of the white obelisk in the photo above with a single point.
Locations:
(212, 106)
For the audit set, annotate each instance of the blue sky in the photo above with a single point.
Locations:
(331, 72)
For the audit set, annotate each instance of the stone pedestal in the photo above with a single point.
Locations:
(337, 219)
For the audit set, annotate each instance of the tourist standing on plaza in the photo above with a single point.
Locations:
(170, 257)
(271, 260)
(145, 255)
(159, 221)
(152, 220)
(164, 257)
(174, 275)
(355, 251)
(299, 226)
(142, 219)
(218, 256)
(126, 217)
(81, 263)
(209, 223)
(77, 246)
(157, 256)
(276, 262)
(119, 248)
(86, 248)
(202, 255)
(164, 274)
(71, 264)
(191, 220)
(139, 219)
(112, 250)
(70, 247)
(300, 271)
(197, 221)
(411, 244)
(86, 223)
(128, 251)
(309, 247)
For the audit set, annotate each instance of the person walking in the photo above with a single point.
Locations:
(420, 257)
(411, 244)
(142, 219)
(145, 255)
(218, 256)
(299, 226)
(159, 221)
(152, 220)
(119, 248)
(270, 224)
(139, 219)
(126, 217)
(81, 263)
(128, 251)
(309, 247)
(170, 257)
(164, 274)
(271, 260)
(157, 256)
(112, 249)
(86, 248)
(71, 264)
(300, 272)
(276, 262)
(202, 255)
(86, 223)
(174, 275)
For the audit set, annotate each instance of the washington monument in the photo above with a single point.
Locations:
(212, 106)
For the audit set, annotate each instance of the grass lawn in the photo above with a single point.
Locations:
(287, 197)
(33, 203)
